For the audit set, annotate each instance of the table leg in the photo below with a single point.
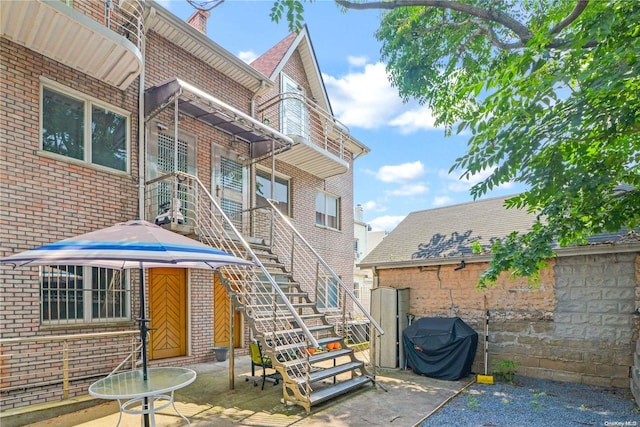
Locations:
(120, 417)
(152, 412)
(178, 412)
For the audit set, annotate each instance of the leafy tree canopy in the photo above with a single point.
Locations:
(549, 92)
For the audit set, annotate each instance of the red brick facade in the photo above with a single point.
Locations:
(47, 198)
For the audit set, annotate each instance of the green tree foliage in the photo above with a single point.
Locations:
(548, 91)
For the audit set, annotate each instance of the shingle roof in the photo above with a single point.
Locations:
(268, 61)
(447, 233)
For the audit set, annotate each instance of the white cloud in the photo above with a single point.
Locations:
(414, 120)
(247, 56)
(442, 201)
(364, 99)
(385, 223)
(357, 61)
(372, 206)
(410, 190)
(401, 173)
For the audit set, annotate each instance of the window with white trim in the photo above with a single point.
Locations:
(76, 127)
(294, 114)
(327, 210)
(280, 194)
(327, 296)
(76, 294)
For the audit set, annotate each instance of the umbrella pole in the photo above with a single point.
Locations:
(143, 339)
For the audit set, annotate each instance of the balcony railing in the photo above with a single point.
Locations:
(323, 146)
(103, 39)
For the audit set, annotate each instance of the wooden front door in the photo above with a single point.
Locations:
(168, 312)
(221, 313)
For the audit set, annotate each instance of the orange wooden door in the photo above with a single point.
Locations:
(168, 312)
(221, 325)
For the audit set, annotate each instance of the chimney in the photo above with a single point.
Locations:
(358, 214)
(199, 20)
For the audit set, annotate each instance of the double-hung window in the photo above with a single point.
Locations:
(280, 192)
(327, 210)
(77, 127)
(75, 294)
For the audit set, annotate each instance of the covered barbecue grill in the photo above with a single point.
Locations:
(442, 348)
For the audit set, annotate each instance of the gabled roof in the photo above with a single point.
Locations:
(272, 61)
(444, 235)
(269, 61)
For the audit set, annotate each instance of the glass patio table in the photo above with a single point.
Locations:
(136, 396)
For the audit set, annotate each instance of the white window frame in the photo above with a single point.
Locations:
(281, 177)
(88, 294)
(294, 117)
(328, 196)
(88, 102)
(328, 289)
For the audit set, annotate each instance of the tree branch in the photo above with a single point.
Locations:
(521, 31)
(523, 34)
(581, 5)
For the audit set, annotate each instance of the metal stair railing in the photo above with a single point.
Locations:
(332, 296)
(183, 201)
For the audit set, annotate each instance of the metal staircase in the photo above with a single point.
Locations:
(295, 304)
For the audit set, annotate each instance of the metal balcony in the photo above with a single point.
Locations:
(322, 145)
(103, 41)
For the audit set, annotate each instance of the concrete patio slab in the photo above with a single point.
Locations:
(400, 398)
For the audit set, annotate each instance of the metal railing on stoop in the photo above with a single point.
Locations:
(296, 305)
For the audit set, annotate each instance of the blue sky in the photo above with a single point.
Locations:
(407, 168)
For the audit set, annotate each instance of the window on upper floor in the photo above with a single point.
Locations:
(327, 210)
(280, 194)
(294, 114)
(75, 294)
(77, 127)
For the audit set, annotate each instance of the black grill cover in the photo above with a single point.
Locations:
(442, 348)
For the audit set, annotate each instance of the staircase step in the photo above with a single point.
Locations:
(295, 332)
(337, 389)
(321, 374)
(286, 315)
(273, 264)
(324, 341)
(320, 357)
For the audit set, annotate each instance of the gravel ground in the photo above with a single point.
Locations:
(537, 403)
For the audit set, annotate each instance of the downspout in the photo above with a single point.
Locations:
(141, 135)
(142, 122)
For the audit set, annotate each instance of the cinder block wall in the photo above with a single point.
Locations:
(577, 326)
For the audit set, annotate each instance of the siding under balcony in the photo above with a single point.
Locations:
(107, 49)
(322, 145)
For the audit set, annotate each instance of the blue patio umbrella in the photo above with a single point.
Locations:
(133, 244)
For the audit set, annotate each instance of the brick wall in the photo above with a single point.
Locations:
(51, 198)
(577, 326)
(47, 198)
